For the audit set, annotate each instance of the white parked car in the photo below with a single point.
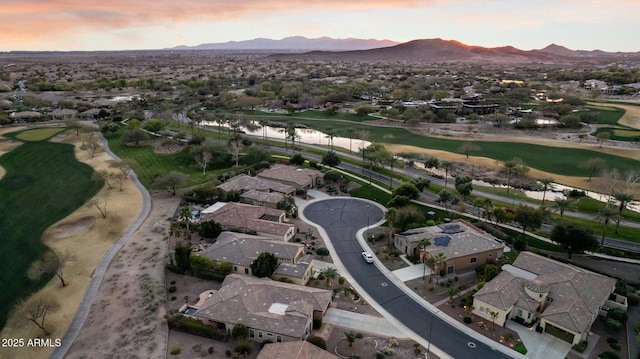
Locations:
(367, 257)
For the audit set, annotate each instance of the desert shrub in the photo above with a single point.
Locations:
(322, 251)
(580, 347)
(612, 325)
(239, 331)
(193, 326)
(633, 299)
(317, 341)
(341, 280)
(608, 355)
(175, 351)
(210, 350)
(359, 335)
(380, 355)
(172, 289)
(467, 320)
(618, 314)
(520, 244)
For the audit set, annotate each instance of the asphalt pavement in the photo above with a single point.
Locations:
(341, 220)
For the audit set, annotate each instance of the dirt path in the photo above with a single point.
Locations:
(126, 320)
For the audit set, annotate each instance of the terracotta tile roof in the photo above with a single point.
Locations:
(242, 249)
(577, 293)
(248, 217)
(266, 197)
(291, 174)
(249, 300)
(247, 183)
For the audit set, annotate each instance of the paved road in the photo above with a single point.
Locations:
(341, 219)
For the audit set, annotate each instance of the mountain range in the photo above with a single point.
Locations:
(295, 43)
(416, 51)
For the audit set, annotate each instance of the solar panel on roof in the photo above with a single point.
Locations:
(442, 241)
(452, 228)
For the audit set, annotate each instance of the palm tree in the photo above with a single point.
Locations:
(605, 215)
(185, 217)
(390, 216)
(292, 135)
(494, 316)
(546, 184)
(350, 132)
(623, 198)
(423, 244)
(452, 292)
(510, 168)
(330, 135)
(447, 166)
(263, 123)
(439, 260)
(329, 273)
(350, 336)
(562, 204)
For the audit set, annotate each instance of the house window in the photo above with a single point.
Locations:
(235, 268)
(259, 333)
(473, 260)
(520, 313)
(252, 333)
(279, 338)
(269, 334)
(481, 309)
(450, 269)
(246, 271)
(528, 315)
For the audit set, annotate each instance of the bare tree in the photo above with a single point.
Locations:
(202, 156)
(51, 263)
(101, 205)
(104, 176)
(236, 147)
(122, 166)
(36, 308)
(91, 144)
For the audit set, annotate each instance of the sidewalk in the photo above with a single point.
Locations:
(357, 321)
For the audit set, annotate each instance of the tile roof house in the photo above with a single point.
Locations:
(464, 245)
(241, 250)
(300, 178)
(259, 198)
(263, 221)
(294, 350)
(271, 310)
(245, 183)
(565, 299)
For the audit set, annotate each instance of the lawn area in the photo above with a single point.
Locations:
(148, 165)
(563, 161)
(620, 134)
(607, 115)
(38, 134)
(43, 184)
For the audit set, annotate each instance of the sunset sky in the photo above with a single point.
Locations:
(125, 24)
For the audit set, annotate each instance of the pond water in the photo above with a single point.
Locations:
(305, 135)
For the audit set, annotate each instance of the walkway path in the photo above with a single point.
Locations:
(98, 276)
